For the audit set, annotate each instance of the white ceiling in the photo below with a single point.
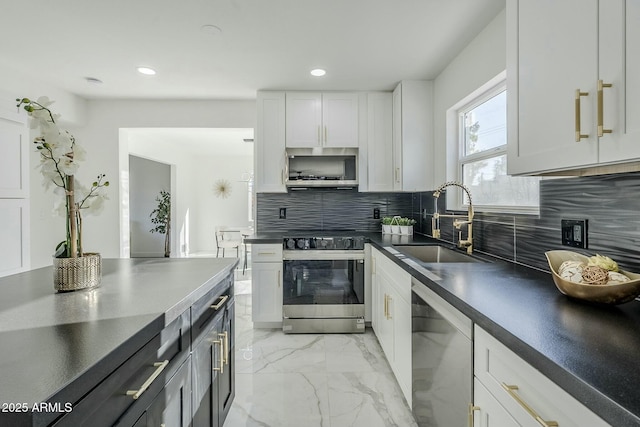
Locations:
(264, 44)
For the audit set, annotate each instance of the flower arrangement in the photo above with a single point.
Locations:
(60, 157)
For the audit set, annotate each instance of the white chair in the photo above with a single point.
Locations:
(225, 240)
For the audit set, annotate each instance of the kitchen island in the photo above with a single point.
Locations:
(68, 353)
(590, 351)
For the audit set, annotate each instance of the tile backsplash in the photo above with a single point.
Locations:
(611, 204)
(328, 210)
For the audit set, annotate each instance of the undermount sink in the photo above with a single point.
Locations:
(434, 253)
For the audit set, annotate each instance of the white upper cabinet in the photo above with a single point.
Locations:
(620, 67)
(270, 163)
(413, 136)
(380, 165)
(570, 82)
(316, 119)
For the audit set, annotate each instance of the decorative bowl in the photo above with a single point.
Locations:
(604, 294)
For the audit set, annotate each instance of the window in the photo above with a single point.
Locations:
(482, 155)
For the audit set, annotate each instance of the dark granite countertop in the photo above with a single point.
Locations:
(52, 341)
(591, 351)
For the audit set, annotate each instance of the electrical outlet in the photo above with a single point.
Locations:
(574, 232)
(283, 213)
(376, 213)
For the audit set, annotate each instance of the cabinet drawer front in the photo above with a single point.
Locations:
(266, 253)
(400, 279)
(523, 390)
(204, 311)
(112, 400)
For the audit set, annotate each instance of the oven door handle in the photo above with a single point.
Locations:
(328, 255)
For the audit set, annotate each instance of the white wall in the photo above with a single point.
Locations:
(479, 62)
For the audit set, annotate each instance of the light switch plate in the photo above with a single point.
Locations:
(574, 232)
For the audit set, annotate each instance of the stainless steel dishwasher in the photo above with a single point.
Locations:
(442, 360)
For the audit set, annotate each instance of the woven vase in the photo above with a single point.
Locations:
(73, 274)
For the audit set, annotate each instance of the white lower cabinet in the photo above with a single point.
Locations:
(391, 316)
(527, 397)
(266, 285)
(487, 412)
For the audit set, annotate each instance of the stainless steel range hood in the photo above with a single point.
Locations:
(315, 168)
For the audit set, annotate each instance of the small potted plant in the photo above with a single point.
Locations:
(406, 225)
(386, 225)
(60, 157)
(395, 224)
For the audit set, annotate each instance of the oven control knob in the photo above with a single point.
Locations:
(323, 243)
(291, 244)
(301, 243)
(347, 243)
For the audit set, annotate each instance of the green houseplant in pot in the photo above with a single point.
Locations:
(406, 225)
(161, 218)
(60, 157)
(386, 224)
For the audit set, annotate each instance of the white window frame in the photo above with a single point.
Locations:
(455, 146)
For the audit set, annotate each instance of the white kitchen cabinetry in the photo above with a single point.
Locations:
(553, 86)
(316, 119)
(413, 136)
(380, 165)
(266, 285)
(270, 161)
(524, 392)
(14, 189)
(487, 412)
(391, 316)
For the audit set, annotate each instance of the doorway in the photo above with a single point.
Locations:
(199, 160)
(147, 178)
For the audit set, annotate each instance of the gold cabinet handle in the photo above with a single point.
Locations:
(579, 135)
(225, 346)
(601, 129)
(221, 302)
(398, 175)
(389, 300)
(145, 385)
(385, 306)
(472, 408)
(511, 389)
(221, 366)
(326, 135)
(278, 278)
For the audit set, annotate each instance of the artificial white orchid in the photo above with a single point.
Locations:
(60, 157)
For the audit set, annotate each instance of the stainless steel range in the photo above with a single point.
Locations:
(323, 284)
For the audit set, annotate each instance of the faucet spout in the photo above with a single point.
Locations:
(457, 223)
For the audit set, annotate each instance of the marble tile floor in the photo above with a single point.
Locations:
(305, 380)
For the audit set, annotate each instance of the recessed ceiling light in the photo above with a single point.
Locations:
(146, 71)
(318, 72)
(210, 30)
(93, 80)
